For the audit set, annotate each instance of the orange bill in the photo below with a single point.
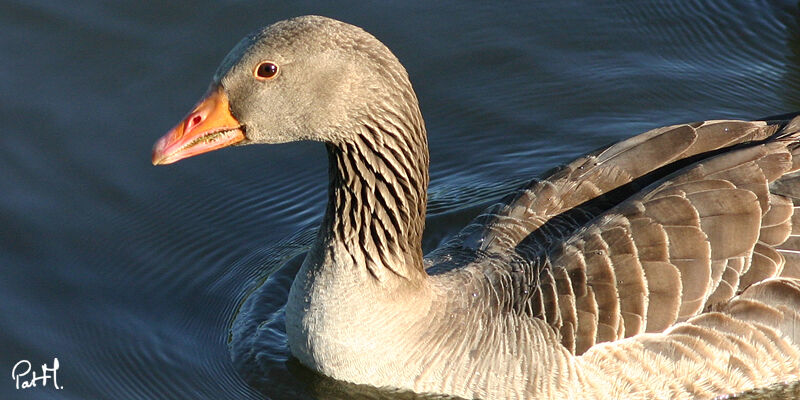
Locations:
(209, 127)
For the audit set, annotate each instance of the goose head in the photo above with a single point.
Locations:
(307, 78)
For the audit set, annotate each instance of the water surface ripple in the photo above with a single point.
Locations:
(136, 278)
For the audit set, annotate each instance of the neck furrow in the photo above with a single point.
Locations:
(377, 198)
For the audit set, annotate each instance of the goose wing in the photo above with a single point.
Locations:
(549, 209)
(686, 243)
(645, 233)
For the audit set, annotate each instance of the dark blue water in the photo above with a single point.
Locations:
(132, 276)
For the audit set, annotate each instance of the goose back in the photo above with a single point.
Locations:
(652, 239)
(644, 233)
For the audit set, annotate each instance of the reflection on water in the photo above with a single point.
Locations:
(131, 275)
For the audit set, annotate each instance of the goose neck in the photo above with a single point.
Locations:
(377, 199)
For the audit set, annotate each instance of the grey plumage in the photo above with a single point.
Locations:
(655, 241)
(666, 265)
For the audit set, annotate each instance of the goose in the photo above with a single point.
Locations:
(666, 265)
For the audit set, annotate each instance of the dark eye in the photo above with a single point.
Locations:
(266, 70)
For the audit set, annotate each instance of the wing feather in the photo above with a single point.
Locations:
(646, 233)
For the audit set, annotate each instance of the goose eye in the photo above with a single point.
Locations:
(266, 70)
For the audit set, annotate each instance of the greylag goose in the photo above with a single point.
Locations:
(666, 265)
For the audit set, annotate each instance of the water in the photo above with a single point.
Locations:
(132, 275)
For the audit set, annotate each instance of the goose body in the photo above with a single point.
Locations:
(666, 265)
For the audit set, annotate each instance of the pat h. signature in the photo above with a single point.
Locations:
(25, 378)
